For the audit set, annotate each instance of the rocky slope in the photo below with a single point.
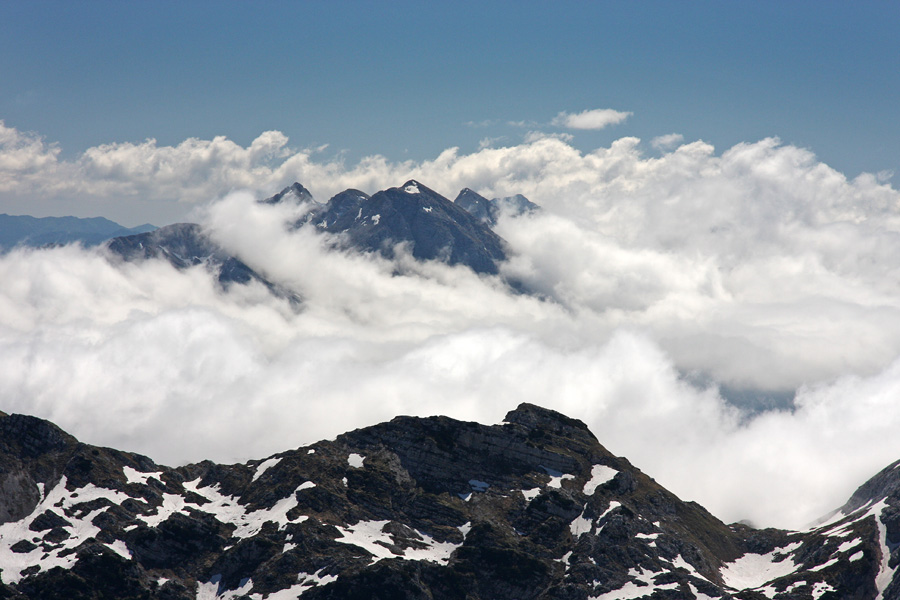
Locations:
(415, 508)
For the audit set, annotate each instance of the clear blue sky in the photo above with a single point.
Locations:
(409, 79)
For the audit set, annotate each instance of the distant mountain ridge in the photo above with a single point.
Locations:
(412, 509)
(429, 225)
(434, 227)
(36, 232)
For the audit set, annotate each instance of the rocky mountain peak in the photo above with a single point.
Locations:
(535, 417)
(432, 227)
(294, 192)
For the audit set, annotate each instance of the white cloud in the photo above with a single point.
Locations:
(24, 156)
(759, 267)
(667, 142)
(598, 118)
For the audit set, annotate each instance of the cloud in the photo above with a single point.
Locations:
(480, 124)
(667, 142)
(23, 156)
(758, 267)
(536, 136)
(490, 142)
(150, 359)
(598, 118)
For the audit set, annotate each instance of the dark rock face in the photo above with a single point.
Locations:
(414, 508)
(433, 227)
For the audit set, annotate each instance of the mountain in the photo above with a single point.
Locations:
(433, 227)
(185, 245)
(293, 193)
(488, 211)
(415, 508)
(36, 232)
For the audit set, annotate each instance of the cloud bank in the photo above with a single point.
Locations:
(657, 279)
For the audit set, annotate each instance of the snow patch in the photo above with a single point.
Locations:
(58, 500)
(613, 505)
(824, 565)
(556, 477)
(412, 188)
(465, 529)
(885, 572)
(356, 460)
(531, 494)
(698, 595)
(370, 536)
(755, 570)
(641, 586)
(820, 588)
(600, 474)
(265, 466)
(135, 476)
(120, 548)
(210, 589)
(228, 510)
(580, 525)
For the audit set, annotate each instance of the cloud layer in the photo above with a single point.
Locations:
(656, 278)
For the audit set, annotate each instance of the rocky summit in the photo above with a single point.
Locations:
(433, 227)
(416, 508)
(426, 224)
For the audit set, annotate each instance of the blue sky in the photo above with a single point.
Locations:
(409, 79)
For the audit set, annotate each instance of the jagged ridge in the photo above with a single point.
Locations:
(414, 508)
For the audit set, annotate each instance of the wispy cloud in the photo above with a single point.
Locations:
(598, 118)
(667, 142)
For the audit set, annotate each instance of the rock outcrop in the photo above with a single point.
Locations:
(534, 507)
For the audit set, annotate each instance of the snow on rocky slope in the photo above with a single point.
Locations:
(414, 508)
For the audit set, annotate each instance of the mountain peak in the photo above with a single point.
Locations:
(413, 187)
(433, 227)
(294, 191)
(532, 416)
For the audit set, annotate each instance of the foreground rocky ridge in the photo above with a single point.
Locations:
(415, 508)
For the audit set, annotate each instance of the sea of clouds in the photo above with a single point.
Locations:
(729, 322)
